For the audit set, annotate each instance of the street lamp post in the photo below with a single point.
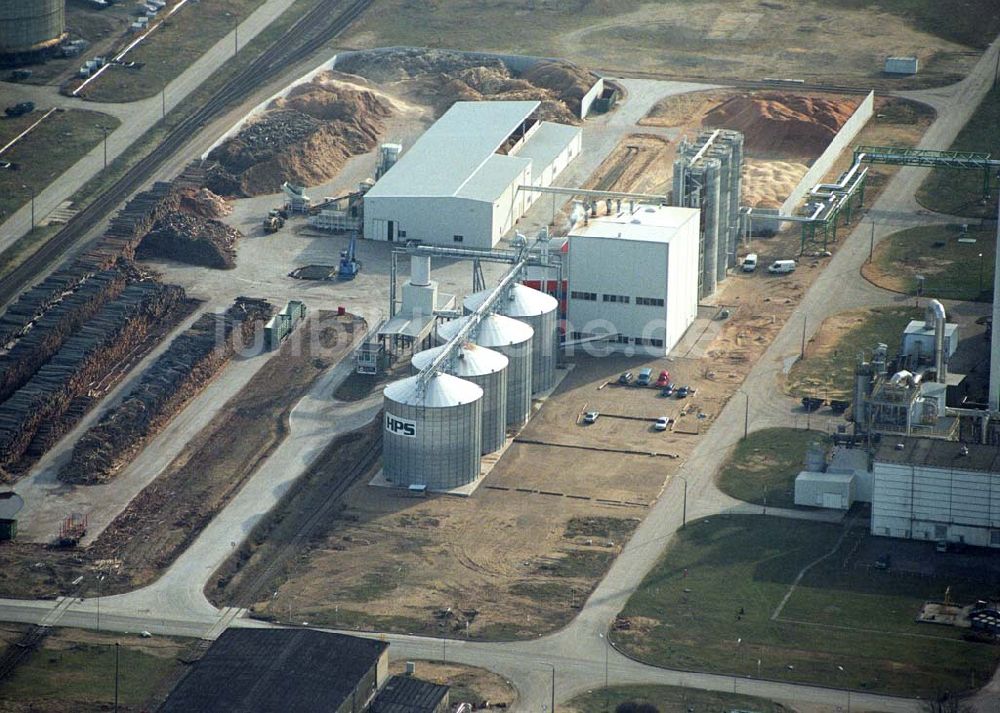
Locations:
(607, 693)
(105, 130)
(805, 321)
(117, 646)
(980, 273)
(746, 414)
(32, 190)
(100, 580)
(553, 703)
(871, 247)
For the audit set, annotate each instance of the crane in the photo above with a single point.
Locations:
(350, 266)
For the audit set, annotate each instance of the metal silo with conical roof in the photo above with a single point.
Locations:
(432, 434)
(487, 369)
(512, 338)
(540, 312)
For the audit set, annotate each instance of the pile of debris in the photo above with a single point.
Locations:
(191, 239)
(86, 357)
(304, 138)
(446, 76)
(192, 359)
(783, 124)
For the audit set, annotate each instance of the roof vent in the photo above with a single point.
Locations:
(899, 446)
(963, 451)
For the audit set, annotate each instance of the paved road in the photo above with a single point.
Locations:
(579, 652)
(136, 118)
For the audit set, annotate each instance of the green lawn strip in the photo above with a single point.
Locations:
(828, 374)
(951, 269)
(959, 191)
(169, 50)
(749, 562)
(669, 699)
(45, 153)
(84, 672)
(765, 465)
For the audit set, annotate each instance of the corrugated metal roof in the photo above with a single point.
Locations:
(651, 224)
(405, 694)
(451, 151)
(473, 360)
(493, 177)
(441, 391)
(494, 330)
(547, 142)
(524, 301)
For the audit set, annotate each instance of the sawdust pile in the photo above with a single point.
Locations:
(442, 77)
(787, 124)
(766, 184)
(304, 138)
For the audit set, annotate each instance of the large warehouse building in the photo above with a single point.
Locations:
(635, 275)
(458, 184)
(929, 489)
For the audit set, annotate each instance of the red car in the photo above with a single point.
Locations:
(664, 378)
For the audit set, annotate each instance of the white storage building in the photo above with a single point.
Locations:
(458, 184)
(635, 275)
(929, 489)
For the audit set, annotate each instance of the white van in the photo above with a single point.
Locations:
(750, 262)
(781, 267)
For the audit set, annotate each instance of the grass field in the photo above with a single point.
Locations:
(960, 192)
(765, 465)
(75, 670)
(668, 699)
(694, 38)
(168, 51)
(44, 154)
(686, 614)
(827, 371)
(951, 270)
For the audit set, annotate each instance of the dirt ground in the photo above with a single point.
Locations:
(469, 684)
(641, 163)
(166, 516)
(744, 39)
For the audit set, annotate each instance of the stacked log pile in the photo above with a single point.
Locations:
(30, 348)
(84, 358)
(190, 362)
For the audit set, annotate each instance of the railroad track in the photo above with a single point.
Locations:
(248, 592)
(325, 21)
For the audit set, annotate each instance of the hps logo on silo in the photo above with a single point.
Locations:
(400, 426)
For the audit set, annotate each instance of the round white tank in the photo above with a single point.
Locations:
(486, 369)
(511, 338)
(432, 438)
(540, 312)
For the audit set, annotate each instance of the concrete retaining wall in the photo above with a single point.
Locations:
(588, 99)
(848, 132)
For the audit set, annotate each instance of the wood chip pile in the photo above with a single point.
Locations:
(192, 359)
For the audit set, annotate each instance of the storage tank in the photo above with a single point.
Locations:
(27, 27)
(432, 438)
(512, 338)
(486, 369)
(540, 312)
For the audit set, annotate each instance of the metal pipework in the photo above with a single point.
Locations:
(935, 312)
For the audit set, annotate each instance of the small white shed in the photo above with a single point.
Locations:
(834, 491)
(901, 65)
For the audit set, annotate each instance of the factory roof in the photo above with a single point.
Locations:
(405, 694)
(936, 453)
(545, 144)
(453, 149)
(289, 670)
(920, 326)
(493, 177)
(646, 223)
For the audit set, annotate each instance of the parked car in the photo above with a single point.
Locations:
(750, 262)
(591, 416)
(664, 378)
(883, 562)
(20, 109)
(625, 378)
(667, 390)
(781, 267)
(682, 393)
(645, 377)
(661, 423)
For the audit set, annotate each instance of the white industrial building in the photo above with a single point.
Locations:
(458, 184)
(929, 489)
(635, 275)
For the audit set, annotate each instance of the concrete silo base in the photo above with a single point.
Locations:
(488, 461)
